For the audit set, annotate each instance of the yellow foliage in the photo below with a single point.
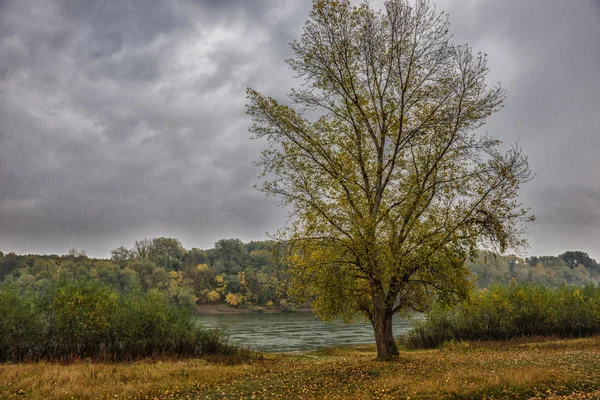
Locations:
(176, 277)
(242, 278)
(220, 279)
(233, 299)
(202, 267)
(213, 296)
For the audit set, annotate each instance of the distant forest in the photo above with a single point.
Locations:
(248, 275)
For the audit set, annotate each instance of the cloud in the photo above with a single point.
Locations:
(120, 121)
(569, 205)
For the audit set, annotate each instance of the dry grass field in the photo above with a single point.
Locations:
(536, 369)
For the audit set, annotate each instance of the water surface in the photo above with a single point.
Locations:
(282, 332)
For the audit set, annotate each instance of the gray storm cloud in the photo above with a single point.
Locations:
(120, 121)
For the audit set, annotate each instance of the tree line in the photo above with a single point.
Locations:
(234, 273)
(249, 275)
(569, 268)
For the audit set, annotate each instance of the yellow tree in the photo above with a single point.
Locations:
(389, 185)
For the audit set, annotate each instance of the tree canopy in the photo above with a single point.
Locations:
(378, 158)
(574, 258)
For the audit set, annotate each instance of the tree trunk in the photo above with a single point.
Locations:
(384, 338)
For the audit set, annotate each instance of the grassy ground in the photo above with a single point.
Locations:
(552, 369)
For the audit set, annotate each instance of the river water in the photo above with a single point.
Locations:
(284, 332)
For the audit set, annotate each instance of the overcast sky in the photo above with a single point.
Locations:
(126, 120)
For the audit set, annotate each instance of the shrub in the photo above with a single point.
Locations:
(502, 313)
(21, 324)
(88, 320)
(233, 299)
(213, 296)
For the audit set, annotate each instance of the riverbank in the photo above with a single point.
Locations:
(550, 369)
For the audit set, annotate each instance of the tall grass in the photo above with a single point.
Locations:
(502, 312)
(81, 319)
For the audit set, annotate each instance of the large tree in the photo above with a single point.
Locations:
(377, 156)
(166, 252)
(574, 258)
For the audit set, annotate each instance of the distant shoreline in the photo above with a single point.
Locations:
(212, 309)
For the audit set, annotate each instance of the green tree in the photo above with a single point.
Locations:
(10, 262)
(574, 258)
(141, 249)
(80, 316)
(532, 261)
(150, 276)
(199, 278)
(195, 256)
(121, 255)
(229, 256)
(74, 253)
(167, 253)
(390, 188)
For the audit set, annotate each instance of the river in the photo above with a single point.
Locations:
(285, 332)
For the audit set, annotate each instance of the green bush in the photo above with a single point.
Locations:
(21, 324)
(502, 312)
(83, 319)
